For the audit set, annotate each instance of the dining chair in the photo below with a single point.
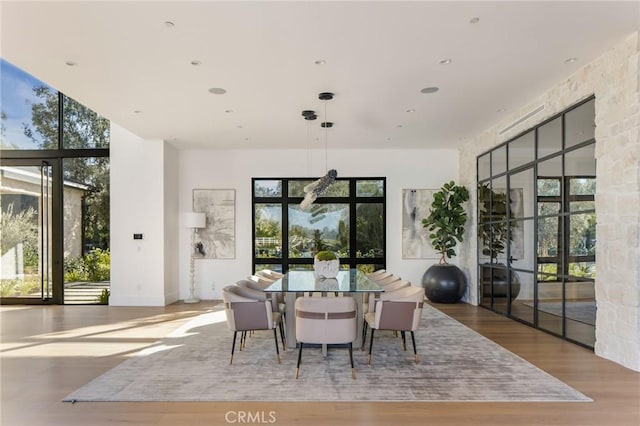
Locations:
(264, 282)
(271, 273)
(383, 280)
(388, 289)
(387, 279)
(399, 310)
(253, 290)
(323, 320)
(246, 314)
(376, 273)
(251, 284)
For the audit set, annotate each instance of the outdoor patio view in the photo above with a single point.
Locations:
(54, 194)
(348, 220)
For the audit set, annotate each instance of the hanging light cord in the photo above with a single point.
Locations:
(309, 155)
(326, 136)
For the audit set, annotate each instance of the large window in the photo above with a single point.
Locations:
(536, 223)
(54, 194)
(348, 219)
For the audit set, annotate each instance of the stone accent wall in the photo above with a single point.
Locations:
(614, 78)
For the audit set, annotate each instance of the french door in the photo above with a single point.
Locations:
(29, 211)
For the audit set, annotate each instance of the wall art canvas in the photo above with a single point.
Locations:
(219, 237)
(415, 239)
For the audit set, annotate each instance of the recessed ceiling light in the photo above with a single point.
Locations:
(169, 24)
(445, 61)
(239, 126)
(196, 63)
(319, 62)
(411, 110)
(474, 20)
(71, 63)
(399, 125)
(228, 111)
(429, 90)
(137, 111)
(217, 91)
(570, 60)
(500, 110)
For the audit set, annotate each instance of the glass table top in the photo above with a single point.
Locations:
(350, 281)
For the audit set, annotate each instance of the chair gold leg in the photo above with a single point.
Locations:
(278, 356)
(353, 373)
(369, 359)
(297, 369)
(231, 360)
(416, 358)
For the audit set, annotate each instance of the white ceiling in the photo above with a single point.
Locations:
(379, 55)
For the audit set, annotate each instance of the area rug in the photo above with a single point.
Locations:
(456, 364)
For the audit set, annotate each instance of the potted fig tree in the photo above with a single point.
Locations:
(495, 233)
(445, 282)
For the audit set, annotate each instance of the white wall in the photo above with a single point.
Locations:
(138, 206)
(209, 169)
(171, 224)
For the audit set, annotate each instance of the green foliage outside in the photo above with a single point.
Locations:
(21, 228)
(447, 218)
(25, 287)
(83, 129)
(103, 299)
(325, 255)
(304, 240)
(94, 267)
(369, 230)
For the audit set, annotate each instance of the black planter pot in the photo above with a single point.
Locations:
(498, 278)
(444, 283)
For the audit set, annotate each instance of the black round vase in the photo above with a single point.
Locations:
(444, 283)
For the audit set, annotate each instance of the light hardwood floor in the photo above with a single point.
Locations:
(48, 352)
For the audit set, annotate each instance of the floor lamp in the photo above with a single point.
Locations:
(194, 221)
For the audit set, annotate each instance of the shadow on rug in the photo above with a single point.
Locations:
(456, 364)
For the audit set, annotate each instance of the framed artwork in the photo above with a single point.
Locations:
(219, 237)
(415, 239)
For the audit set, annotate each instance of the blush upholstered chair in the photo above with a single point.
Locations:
(326, 320)
(252, 290)
(399, 310)
(247, 314)
(389, 290)
(269, 274)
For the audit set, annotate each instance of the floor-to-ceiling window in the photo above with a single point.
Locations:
(348, 219)
(54, 195)
(536, 226)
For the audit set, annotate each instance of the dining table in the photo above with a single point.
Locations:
(297, 283)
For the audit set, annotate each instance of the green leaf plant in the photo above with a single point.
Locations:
(494, 230)
(326, 255)
(446, 220)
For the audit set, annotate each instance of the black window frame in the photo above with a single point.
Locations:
(285, 201)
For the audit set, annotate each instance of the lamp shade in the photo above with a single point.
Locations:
(195, 220)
